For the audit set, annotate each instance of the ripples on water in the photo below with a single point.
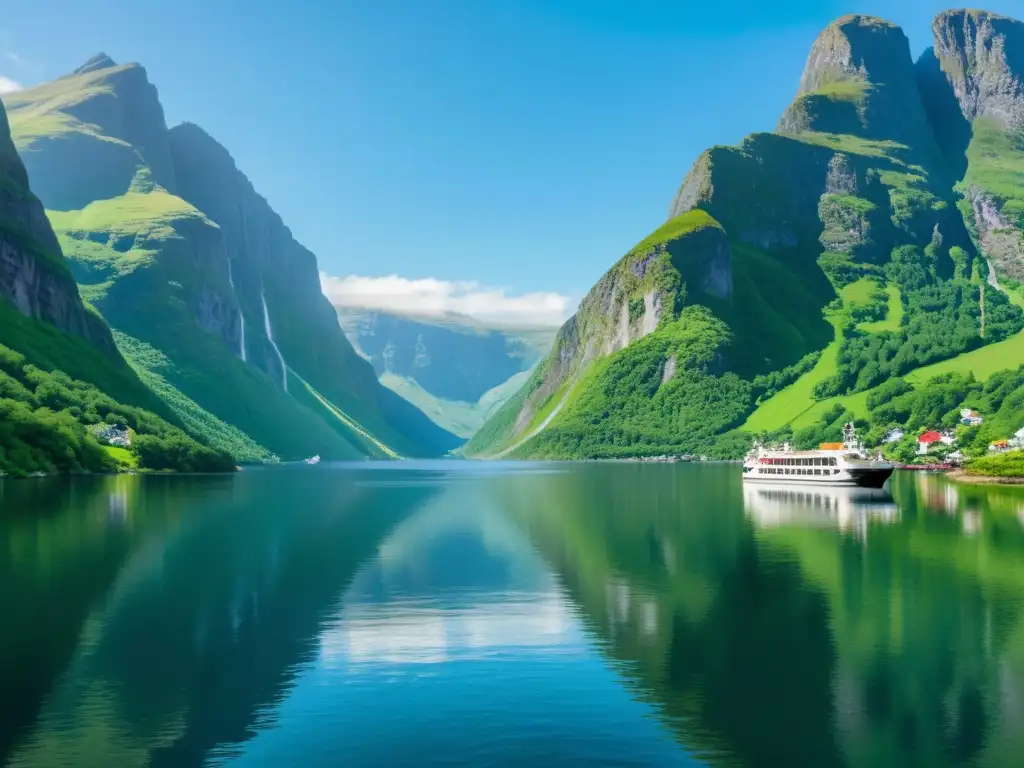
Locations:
(509, 614)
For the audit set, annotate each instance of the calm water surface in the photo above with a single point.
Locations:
(513, 614)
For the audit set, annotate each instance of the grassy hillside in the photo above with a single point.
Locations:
(48, 424)
(798, 398)
(139, 259)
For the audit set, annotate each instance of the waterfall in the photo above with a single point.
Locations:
(241, 318)
(241, 322)
(270, 338)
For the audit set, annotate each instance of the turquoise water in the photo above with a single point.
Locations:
(508, 614)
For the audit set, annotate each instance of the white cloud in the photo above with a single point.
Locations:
(429, 296)
(8, 86)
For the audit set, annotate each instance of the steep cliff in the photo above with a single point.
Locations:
(34, 276)
(211, 299)
(982, 57)
(638, 316)
(274, 277)
(456, 370)
(847, 260)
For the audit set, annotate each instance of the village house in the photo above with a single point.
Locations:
(111, 434)
(928, 440)
(970, 418)
(894, 435)
(999, 446)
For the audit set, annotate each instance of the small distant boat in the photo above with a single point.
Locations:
(313, 460)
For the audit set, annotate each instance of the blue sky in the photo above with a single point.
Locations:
(522, 145)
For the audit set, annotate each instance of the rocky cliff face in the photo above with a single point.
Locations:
(859, 79)
(686, 261)
(207, 288)
(34, 275)
(982, 55)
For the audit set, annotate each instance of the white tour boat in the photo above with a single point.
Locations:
(845, 463)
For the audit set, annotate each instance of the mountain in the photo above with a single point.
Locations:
(875, 232)
(62, 380)
(211, 299)
(455, 369)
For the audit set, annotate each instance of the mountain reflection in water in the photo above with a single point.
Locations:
(513, 614)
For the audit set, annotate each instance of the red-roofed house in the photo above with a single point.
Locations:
(926, 440)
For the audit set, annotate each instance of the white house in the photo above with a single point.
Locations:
(970, 418)
(1017, 441)
(894, 435)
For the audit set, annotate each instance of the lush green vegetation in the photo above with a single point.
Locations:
(47, 347)
(149, 363)
(1010, 464)
(935, 404)
(45, 418)
(630, 407)
(774, 313)
(942, 318)
(995, 161)
(231, 405)
(673, 229)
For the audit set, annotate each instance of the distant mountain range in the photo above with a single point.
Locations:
(454, 368)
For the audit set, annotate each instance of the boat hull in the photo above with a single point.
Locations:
(860, 478)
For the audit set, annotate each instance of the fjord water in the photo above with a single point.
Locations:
(509, 614)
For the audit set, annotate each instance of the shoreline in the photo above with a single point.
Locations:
(960, 476)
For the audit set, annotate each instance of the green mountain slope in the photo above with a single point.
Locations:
(215, 305)
(61, 376)
(806, 266)
(453, 368)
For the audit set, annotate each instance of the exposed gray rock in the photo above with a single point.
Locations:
(1000, 240)
(34, 276)
(860, 79)
(982, 55)
(841, 179)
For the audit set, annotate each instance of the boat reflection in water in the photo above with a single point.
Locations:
(848, 508)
